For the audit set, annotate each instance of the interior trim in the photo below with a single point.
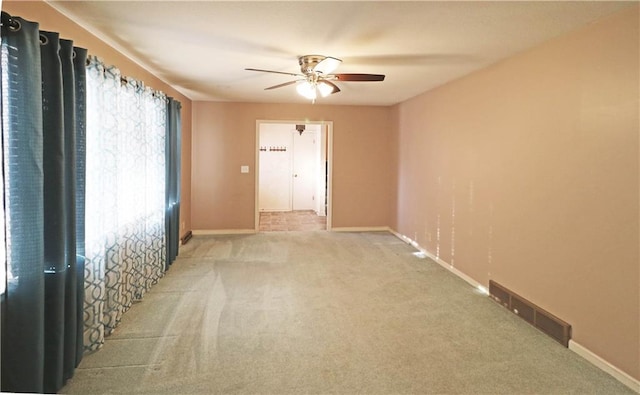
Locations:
(328, 127)
(362, 229)
(442, 263)
(206, 232)
(582, 351)
(592, 357)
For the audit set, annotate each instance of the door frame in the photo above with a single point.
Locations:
(329, 128)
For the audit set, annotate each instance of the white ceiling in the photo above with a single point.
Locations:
(201, 48)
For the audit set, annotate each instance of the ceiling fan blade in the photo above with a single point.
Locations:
(332, 85)
(276, 72)
(327, 65)
(281, 85)
(359, 77)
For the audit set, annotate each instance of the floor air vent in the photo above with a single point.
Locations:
(540, 318)
(187, 237)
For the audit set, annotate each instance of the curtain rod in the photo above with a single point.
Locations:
(14, 24)
(10, 22)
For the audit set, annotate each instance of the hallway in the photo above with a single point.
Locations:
(304, 220)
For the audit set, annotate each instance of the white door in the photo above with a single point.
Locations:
(304, 170)
(274, 178)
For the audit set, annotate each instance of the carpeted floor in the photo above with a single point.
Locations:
(324, 312)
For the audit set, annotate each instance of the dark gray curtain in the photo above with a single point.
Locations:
(173, 180)
(23, 316)
(42, 121)
(79, 65)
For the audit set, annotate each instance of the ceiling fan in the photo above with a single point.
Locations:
(316, 76)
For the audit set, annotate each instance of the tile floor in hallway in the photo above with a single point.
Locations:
(291, 221)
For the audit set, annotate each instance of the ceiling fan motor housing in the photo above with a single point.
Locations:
(309, 62)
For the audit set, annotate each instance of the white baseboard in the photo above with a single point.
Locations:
(442, 263)
(618, 374)
(362, 229)
(585, 353)
(208, 232)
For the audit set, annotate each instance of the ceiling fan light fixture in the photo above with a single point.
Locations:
(307, 90)
(325, 89)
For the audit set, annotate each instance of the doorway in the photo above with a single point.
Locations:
(293, 175)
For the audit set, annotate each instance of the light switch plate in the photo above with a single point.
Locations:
(244, 169)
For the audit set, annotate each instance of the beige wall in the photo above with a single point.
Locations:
(224, 138)
(52, 20)
(527, 173)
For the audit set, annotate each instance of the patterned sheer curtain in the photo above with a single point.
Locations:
(126, 174)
